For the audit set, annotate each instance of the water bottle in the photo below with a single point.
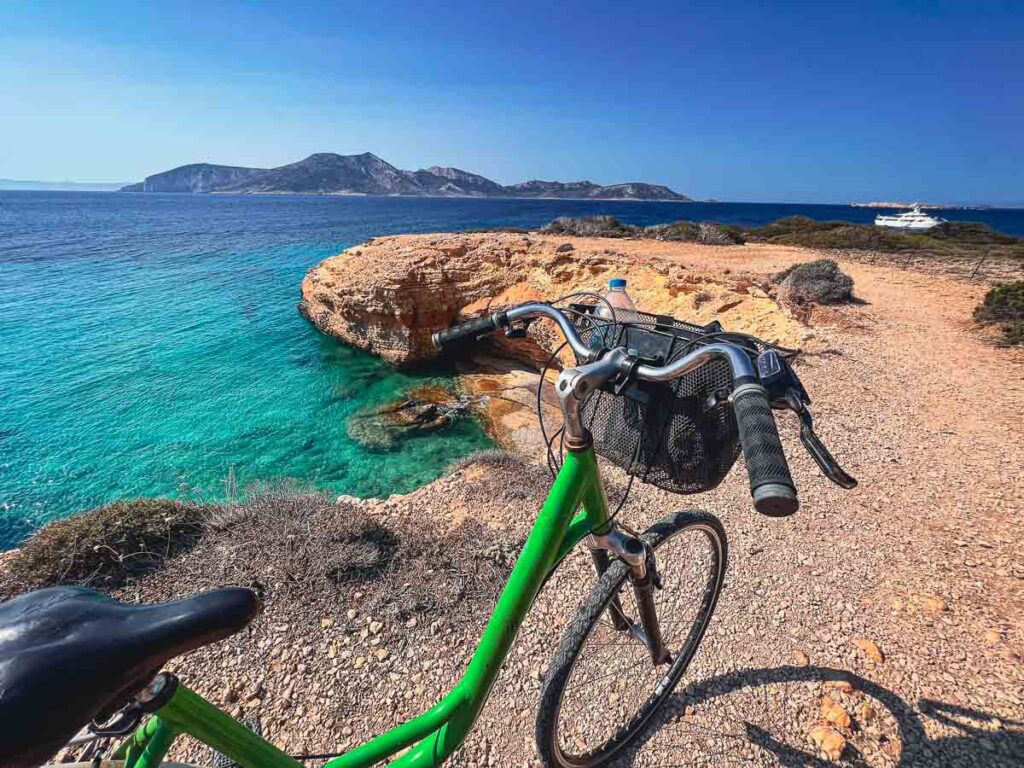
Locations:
(625, 309)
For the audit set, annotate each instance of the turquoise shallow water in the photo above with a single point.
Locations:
(150, 345)
(151, 357)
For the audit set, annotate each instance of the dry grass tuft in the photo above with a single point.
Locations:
(289, 540)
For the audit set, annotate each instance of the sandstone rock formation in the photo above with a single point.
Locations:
(387, 296)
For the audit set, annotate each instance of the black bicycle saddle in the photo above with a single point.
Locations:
(68, 654)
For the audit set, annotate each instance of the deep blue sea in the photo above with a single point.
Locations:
(150, 344)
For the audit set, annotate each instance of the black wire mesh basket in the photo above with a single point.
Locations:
(680, 435)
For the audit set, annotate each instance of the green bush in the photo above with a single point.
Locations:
(953, 239)
(805, 232)
(963, 238)
(971, 233)
(1004, 305)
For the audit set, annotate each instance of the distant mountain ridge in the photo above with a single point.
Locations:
(326, 173)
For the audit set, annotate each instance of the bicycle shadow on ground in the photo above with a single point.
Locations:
(753, 729)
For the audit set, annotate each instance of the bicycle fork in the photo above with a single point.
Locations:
(643, 576)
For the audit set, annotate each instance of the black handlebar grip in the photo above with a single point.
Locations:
(479, 327)
(771, 485)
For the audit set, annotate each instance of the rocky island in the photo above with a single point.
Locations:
(327, 173)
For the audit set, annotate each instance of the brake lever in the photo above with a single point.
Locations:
(519, 331)
(826, 463)
(627, 378)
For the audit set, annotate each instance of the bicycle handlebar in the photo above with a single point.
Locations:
(488, 324)
(474, 328)
(771, 484)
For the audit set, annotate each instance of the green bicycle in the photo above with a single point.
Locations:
(671, 403)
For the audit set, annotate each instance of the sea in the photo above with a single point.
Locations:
(150, 344)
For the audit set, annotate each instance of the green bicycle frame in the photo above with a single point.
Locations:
(575, 507)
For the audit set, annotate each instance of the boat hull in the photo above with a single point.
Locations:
(907, 227)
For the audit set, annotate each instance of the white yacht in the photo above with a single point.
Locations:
(914, 219)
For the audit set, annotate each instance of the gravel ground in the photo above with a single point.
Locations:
(890, 616)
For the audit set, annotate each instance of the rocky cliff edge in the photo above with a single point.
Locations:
(388, 295)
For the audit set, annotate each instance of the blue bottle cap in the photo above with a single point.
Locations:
(616, 282)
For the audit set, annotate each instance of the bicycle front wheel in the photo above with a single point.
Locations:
(602, 686)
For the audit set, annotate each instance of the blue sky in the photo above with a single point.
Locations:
(810, 102)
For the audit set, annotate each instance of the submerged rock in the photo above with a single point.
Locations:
(421, 410)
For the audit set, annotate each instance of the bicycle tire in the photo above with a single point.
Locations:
(587, 617)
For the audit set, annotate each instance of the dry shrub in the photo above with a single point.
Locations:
(705, 232)
(306, 545)
(454, 572)
(815, 282)
(103, 547)
(589, 226)
(286, 540)
(300, 546)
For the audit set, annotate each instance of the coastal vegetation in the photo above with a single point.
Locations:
(590, 226)
(951, 239)
(815, 282)
(1004, 306)
(707, 233)
(279, 539)
(104, 547)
